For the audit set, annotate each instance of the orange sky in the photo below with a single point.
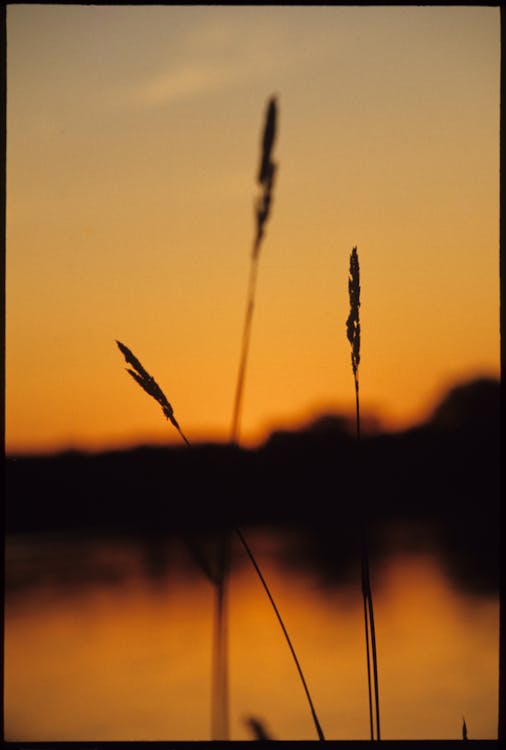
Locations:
(132, 148)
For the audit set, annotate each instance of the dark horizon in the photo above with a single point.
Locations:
(436, 484)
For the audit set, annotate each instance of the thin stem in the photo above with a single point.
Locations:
(220, 717)
(234, 440)
(374, 663)
(357, 408)
(368, 605)
(368, 653)
(246, 335)
(365, 576)
(185, 438)
(285, 632)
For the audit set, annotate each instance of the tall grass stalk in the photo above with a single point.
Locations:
(285, 633)
(265, 179)
(219, 693)
(353, 333)
(219, 720)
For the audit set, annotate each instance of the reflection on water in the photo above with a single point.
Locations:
(112, 640)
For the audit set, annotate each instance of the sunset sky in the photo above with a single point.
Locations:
(133, 141)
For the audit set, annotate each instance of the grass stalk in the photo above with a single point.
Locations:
(374, 658)
(219, 699)
(219, 718)
(353, 333)
(246, 336)
(285, 633)
(367, 651)
(266, 174)
(265, 179)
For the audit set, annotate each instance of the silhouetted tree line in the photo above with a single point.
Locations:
(436, 484)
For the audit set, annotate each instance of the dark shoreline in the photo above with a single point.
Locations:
(439, 482)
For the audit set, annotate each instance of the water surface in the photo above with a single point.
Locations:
(111, 639)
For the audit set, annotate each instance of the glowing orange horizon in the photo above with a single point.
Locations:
(164, 434)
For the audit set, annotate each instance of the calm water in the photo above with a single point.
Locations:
(112, 640)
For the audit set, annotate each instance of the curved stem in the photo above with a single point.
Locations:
(285, 632)
(368, 653)
(375, 665)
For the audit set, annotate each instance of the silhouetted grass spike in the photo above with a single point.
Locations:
(265, 179)
(353, 333)
(266, 173)
(258, 729)
(266, 164)
(353, 322)
(149, 384)
(464, 729)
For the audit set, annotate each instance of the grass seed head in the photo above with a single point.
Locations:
(353, 322)
(464, 729)
(266, 164)
(266, 174)
(149, 384)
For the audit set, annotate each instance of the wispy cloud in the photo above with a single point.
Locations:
(221, 54)
(221, 51)
(186, 81)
